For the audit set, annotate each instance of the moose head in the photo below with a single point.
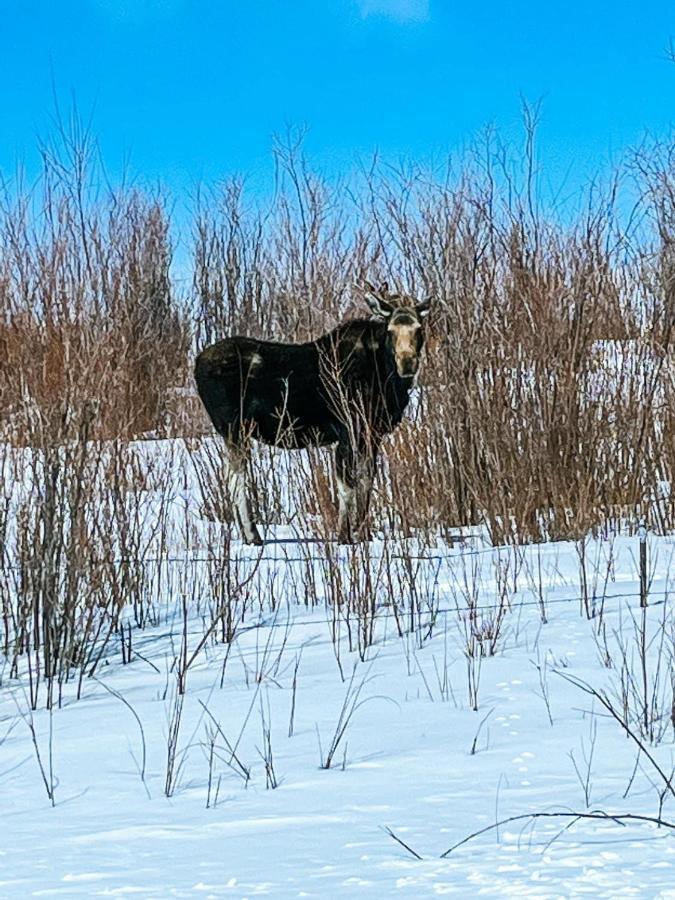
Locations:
(405, 318)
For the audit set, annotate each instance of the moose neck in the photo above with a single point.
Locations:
(396, 389)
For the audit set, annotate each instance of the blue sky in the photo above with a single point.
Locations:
(192, 91)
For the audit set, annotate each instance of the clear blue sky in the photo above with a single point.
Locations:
(193, 91)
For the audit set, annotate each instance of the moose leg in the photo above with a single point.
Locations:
(355, 474)
(236, 458)
(365, 475)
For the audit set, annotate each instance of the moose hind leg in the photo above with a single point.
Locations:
(236, 458)
(365, 475)
(346, 485)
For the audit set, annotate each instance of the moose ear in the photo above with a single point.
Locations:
(424, 307)
(375, 300)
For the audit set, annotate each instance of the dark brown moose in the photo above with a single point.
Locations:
(349, 388)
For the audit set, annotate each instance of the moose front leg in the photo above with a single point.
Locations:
(236, 459)
(355, 476)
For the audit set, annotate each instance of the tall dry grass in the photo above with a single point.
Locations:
(544, 404)
(544, 408)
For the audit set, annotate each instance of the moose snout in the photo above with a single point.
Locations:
(407, 366)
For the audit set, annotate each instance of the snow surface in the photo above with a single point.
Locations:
(406, 761)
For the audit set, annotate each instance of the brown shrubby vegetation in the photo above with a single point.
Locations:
(544, 404)
(544, 409)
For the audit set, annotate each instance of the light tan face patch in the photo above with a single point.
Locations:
(405, 346)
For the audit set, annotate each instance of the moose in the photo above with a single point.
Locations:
(347, 388)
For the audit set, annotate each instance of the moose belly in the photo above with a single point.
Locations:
(291, 437)
(293, 419)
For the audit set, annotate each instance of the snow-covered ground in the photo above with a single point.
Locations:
(414, 756)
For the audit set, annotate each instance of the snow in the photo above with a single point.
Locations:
(415, 758)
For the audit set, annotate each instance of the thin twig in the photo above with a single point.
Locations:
(618, 819)
(401, 842)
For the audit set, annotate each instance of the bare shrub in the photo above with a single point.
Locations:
(544, 409)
